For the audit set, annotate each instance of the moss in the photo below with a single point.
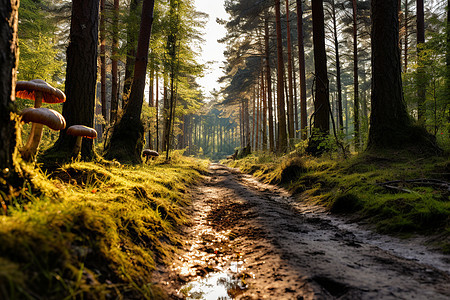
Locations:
(346, 203)
(100, 236)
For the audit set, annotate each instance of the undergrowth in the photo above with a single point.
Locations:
(95, 231)
(394, 191)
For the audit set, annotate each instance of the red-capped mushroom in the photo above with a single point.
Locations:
(39, 91)
(149, 153)
(81, 131)
(39, 116)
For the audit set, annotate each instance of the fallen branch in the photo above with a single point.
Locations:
(421, 181)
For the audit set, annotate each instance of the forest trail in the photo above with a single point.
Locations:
(250, 240)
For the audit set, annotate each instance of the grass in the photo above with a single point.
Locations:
(94, 231)
(355, 187)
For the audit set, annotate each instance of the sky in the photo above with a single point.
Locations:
(212, 51)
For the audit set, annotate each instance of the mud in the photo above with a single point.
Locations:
(250, 240)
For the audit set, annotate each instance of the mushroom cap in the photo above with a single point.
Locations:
(45, 116)
(148, 152)
(81, 130)
(28, 89)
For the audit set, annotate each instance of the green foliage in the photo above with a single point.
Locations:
(99, 234)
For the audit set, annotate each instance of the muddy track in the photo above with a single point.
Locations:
(272, 247)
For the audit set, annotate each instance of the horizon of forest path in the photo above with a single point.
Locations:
(271, 246)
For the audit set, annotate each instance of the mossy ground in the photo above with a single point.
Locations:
(355, 187)
(94, 231)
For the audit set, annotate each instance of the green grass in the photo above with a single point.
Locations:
(355, 187)
(93, 230)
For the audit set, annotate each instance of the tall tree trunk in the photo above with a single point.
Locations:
(301, 63)
(131, 54)
(282, 144)
(390, 124)
(264, 118)
(114, 60)
(290, 96)
(355, 78)
(8, 76)
(81, 77)
(406, 37)
(338, 70)
(127, 138)
(157, 111)
(420, 71)
(321, 104)
(103, 61)
(269, 82)
(151, 97)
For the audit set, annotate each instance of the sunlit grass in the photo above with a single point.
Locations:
(355, 186)
(94, 230)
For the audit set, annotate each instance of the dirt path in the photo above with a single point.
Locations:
(252, 241)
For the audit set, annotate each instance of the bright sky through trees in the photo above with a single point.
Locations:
(212, 51)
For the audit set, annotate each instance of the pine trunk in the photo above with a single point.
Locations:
(81, 78)
(338, 70)
(290, 95)
(282, 144)
(269, 83)
(114, 60)
(127, 139)
(301, 62)
(421, 85)
(103, 61)
(8, 73)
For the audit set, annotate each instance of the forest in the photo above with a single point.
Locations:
(112, 155)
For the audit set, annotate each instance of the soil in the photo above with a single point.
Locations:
(254, 241)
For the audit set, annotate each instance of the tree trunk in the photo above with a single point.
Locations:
(390, 124)
(355, 78)
(338, 70)
(131, 54)
(269, 83)
(321, 103)
(127, 138)
(282, 144)
(421, 85)
(81, 79)
(103, 61)
(8, 77)
(290, 96)
(301, 63)
(264, 118)
(406, 37)
(114, 59)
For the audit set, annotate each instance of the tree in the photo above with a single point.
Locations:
(8, 66)
(81, 78)
(282, 145)
(127, 139)
(301, 59)
(114, 61)
(355, 77)
(321, 102)
(421, 84)
(290, 96)
(103, 60)
(390, 124)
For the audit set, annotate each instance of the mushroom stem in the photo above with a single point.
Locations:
(32, 145)
(77, 147)
(38, 99)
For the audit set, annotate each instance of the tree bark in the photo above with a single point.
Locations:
(269, 82)
(114, 60)
(406, 37)
(127, 139)
(8, 77)
(420, 71)
(291, 127)
(103, 61)
(390, 124)
(282, 145)
(355, 78)
(338, 69)
(321, 103)
(301, 63)
(81, 79)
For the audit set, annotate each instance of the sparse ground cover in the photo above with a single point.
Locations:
(93, 230)
(399, 192)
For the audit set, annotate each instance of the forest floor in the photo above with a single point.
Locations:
(250, 240)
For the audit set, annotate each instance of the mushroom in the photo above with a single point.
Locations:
(39, 117)
(39, 91)
(149, 153)
(81, 131)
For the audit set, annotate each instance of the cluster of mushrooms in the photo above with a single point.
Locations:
(40, 91)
